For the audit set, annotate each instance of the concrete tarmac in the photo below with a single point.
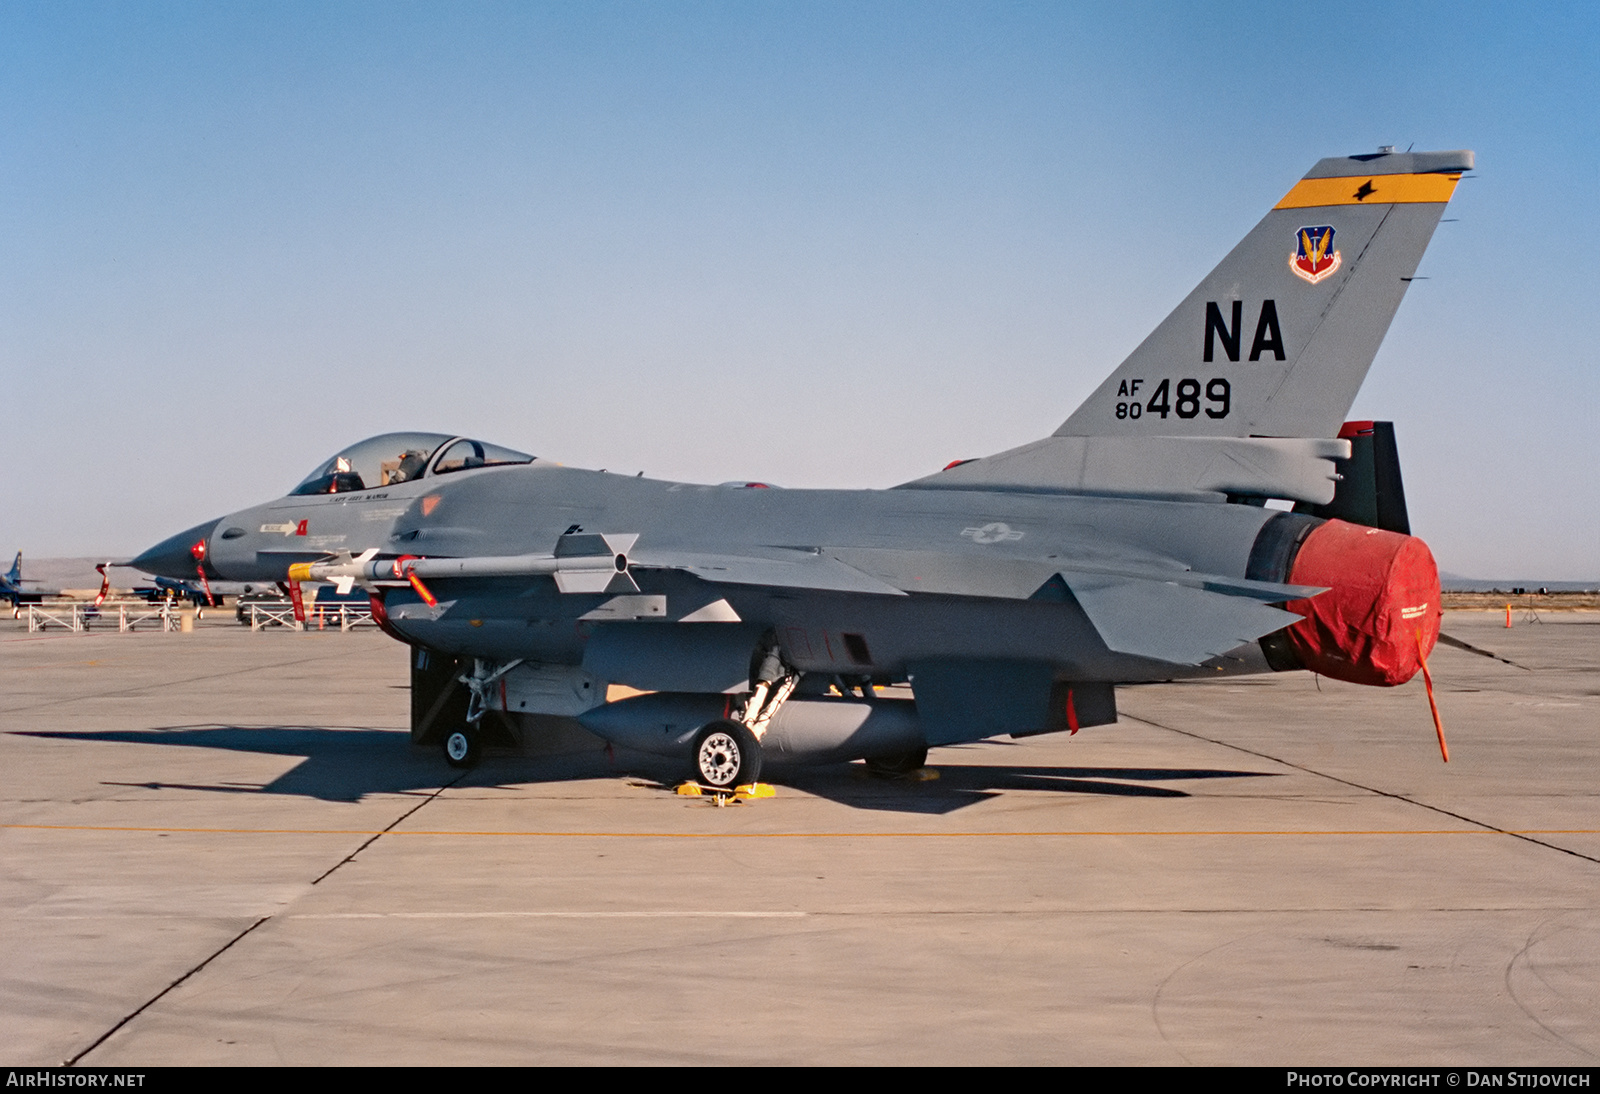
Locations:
(220, 848)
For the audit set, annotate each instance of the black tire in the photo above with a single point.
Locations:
(898, 765)
(463, 747)
(726, 755)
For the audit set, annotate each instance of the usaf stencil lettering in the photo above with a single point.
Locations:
(1182, 400)
(1269, 336)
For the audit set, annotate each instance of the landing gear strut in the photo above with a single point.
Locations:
(463, 746)
(727, 753)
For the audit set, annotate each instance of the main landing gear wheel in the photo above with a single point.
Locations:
(463, 747)
(899, 764)
(726, 755)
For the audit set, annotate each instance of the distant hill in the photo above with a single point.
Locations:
(68, 573)
(52, 574)
(1455, 583)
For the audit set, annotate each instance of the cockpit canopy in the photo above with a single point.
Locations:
(403, 457)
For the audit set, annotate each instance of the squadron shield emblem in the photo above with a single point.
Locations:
(1313, 257)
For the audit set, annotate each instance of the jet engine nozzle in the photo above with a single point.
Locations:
(1383, 590)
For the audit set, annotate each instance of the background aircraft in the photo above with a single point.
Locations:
(1145, 540)
(168, 588)
(11, 586)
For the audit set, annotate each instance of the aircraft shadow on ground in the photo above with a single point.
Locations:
(342, 765)
(347, 765)
(961, 785)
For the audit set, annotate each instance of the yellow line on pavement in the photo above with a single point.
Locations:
(812, 835)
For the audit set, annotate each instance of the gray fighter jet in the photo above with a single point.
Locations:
(1149, 538)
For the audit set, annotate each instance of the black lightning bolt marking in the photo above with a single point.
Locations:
(1366, 191)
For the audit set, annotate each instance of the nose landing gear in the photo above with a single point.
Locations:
(463, 747)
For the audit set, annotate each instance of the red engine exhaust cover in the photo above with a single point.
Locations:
(1383, 588)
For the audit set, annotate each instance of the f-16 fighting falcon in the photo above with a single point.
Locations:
(1012, 593)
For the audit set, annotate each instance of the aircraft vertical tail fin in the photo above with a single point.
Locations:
(15, 576)
(1370, 491)
(1277, 339)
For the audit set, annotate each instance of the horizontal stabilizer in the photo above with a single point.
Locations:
(1300, 469)
(1169, 622)
(1268, 592)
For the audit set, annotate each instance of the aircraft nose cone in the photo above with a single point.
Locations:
(172, 557)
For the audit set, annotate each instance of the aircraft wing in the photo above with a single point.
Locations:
(953, 574)
(1139, 606)
(781, 568)
(1143, 605)
(1143, 608)
(1171, 622)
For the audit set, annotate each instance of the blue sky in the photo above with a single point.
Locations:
(821, 245)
